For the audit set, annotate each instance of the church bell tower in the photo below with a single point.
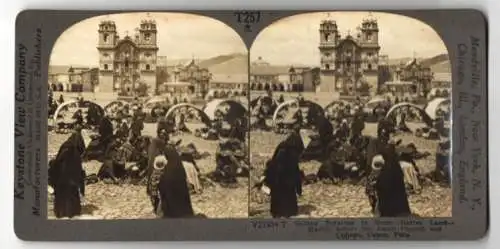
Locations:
(148, 53)
(370, 55)
(329, 38)
(108, 39)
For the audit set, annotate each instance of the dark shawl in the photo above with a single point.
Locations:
(238, 131)
(358, 124)
(173, 187)
(390, 186)
(137, 126)
(317, 148)
(68, 177)
(105, 129)
(283, 176)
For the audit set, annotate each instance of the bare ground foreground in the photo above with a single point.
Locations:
(128, 201)
(344, 200)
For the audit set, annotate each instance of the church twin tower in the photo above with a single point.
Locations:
(126, 63)
(349, 63)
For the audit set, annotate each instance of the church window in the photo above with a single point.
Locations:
(147, 36)
(327, 37)
(105, 66)
(369, 66)
(327, 54)
(148, 67)
(369, 35)
(370, 54)
(327, 66)
(106, 36)
(126, 64)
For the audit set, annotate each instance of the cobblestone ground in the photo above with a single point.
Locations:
(344, 200)
(128, 201)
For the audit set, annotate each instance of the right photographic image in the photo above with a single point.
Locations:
(350, 117)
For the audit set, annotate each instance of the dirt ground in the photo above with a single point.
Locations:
(344, 200)
(128, 201)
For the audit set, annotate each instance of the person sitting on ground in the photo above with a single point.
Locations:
(113, 166)
(230, 159)
(402, 126)
(180, 123)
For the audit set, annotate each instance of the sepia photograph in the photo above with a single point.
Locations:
(350, 118)
(148, 118)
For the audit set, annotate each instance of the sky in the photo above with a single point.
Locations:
(180, 36)
(294, 40)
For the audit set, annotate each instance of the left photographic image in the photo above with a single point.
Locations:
(148, 118)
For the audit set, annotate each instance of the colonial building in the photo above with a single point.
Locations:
(351, 63)
(303, 79)
(265, 77)
(238, 82)
(59, 77)
(420, 75)
(73, 78)
(125, 63)
(440, 85)
(185, 78)
(89, 79)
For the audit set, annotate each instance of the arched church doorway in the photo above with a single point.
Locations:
(127, 87)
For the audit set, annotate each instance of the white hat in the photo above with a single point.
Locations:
(377, 162)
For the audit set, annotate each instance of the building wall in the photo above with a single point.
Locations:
(89, 78)
(308, 78)
(106, 81)
(62, 78)
(284, 78)
(328, 81)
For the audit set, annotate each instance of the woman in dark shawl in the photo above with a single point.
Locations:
(261, 118)
(281, 99)
(238, 130)
(61, 99)
(105, 130)
(97, 147)
(122, 131)
(386, 187)
(136, 127)
(68, 177)
(317, 147)
(357, 124)
(93, 115)
(78, 118)
(442, 155)
(283, 176)
(175, 200)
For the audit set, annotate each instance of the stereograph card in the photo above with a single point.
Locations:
(251, 125)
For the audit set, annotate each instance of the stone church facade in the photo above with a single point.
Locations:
(349, 65)
(128, 62)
